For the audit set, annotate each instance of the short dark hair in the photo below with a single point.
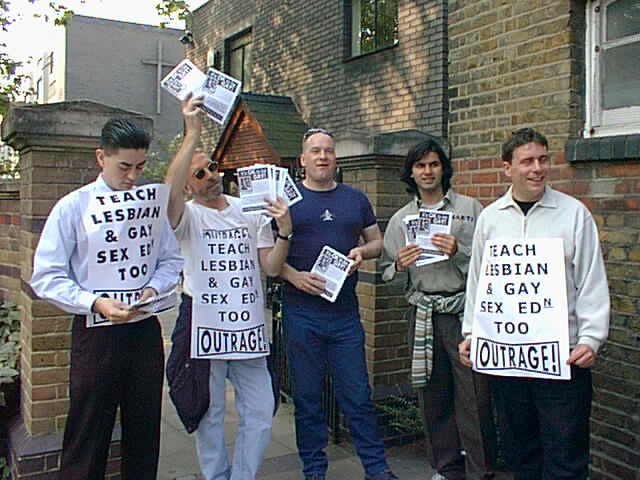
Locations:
(519, 138)
(122, 133)
(416, 154)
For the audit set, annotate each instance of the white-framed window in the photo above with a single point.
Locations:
(612, 68)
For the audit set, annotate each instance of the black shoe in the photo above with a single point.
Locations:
(385, 475)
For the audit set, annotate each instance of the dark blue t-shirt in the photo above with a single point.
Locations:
(336, 218)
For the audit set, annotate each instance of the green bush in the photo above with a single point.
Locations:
(9, 346)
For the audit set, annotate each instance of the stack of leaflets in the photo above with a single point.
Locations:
(219, 90)
(420, 228)
(261, 181)
(334, 268)
(156, 304)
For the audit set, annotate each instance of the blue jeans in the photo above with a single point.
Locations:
(317, 341)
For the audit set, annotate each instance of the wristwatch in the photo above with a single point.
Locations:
(285, 237)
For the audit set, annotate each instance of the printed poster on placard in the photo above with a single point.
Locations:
(123, 231)
(520, 325)
(228, 304)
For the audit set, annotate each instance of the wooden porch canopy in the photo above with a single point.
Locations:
(262, 129)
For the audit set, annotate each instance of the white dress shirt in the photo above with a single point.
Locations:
(60, 264)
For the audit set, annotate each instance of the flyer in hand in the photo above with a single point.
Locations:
(158, 303)
(334, 268)
(261, 181)
(219, 90)
(419, 230)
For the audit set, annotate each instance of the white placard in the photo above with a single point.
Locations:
(520, 324)
(218, 89)
(334, 268)
(123, 231)
(228, 306)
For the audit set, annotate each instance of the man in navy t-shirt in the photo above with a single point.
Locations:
(322, 335)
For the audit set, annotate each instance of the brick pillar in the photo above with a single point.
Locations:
(57, 145)
(373, 164)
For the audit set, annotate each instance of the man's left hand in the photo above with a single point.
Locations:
(445, 242)
(356, 255)
(582, 356)
(279, 211)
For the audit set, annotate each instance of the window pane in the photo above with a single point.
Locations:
(235, 69)
(623, 19)
(378, 24)
(621, 76)
(246, 81)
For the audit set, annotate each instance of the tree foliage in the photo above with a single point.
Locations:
(12, 83)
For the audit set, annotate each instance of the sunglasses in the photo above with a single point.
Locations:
(313, 131)
(212, 166)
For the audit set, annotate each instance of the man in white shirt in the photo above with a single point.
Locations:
(545, 422)
(120, 362)
(224, 251)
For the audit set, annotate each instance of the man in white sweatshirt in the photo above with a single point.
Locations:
(545, 422)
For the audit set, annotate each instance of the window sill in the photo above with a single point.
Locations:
(619, 147)
(372, 52)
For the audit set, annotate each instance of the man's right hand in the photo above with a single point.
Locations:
(464, 353)
(308, 282)
(113, 310)
(192, 114)
(407, 256)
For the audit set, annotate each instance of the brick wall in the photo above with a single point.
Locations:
(515, 64)
(9, 240)
(298, 51)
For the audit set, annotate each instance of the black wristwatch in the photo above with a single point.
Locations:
(286, 238)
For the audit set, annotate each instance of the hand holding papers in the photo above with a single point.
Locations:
(420, 230)
(334, 268)
(261, 181)
(156, 304)
(219, 91)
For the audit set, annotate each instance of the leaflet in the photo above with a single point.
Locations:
(334, 268)
(419, 230)
(258, 182)
(219, 90)
(156, 304)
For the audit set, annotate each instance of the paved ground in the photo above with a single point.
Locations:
(178, 460)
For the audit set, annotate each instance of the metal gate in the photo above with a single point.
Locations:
(329, 404)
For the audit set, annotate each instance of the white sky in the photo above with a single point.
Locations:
(30, 36)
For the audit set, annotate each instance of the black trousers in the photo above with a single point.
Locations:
(120, 365)
(545, 425)
(456, 408)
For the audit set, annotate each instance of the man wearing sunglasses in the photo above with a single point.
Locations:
(230, 248)
(328, 337)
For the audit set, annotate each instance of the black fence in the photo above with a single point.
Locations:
(329, 404)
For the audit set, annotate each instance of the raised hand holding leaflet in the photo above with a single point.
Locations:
(334, 267)
(219, 90)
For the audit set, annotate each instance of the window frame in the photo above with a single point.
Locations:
(600, 122)
(352, 38)
(228, 51)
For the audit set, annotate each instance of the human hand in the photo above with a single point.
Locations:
(308, 282)
(464, 353)
(357, 256)
(192, 114)
(113, 310)
(445, 242)
(582, 356)
(407, 256)
(279, 211)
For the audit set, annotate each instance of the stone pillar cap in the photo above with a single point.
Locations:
(358, 143)
(51, 123)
